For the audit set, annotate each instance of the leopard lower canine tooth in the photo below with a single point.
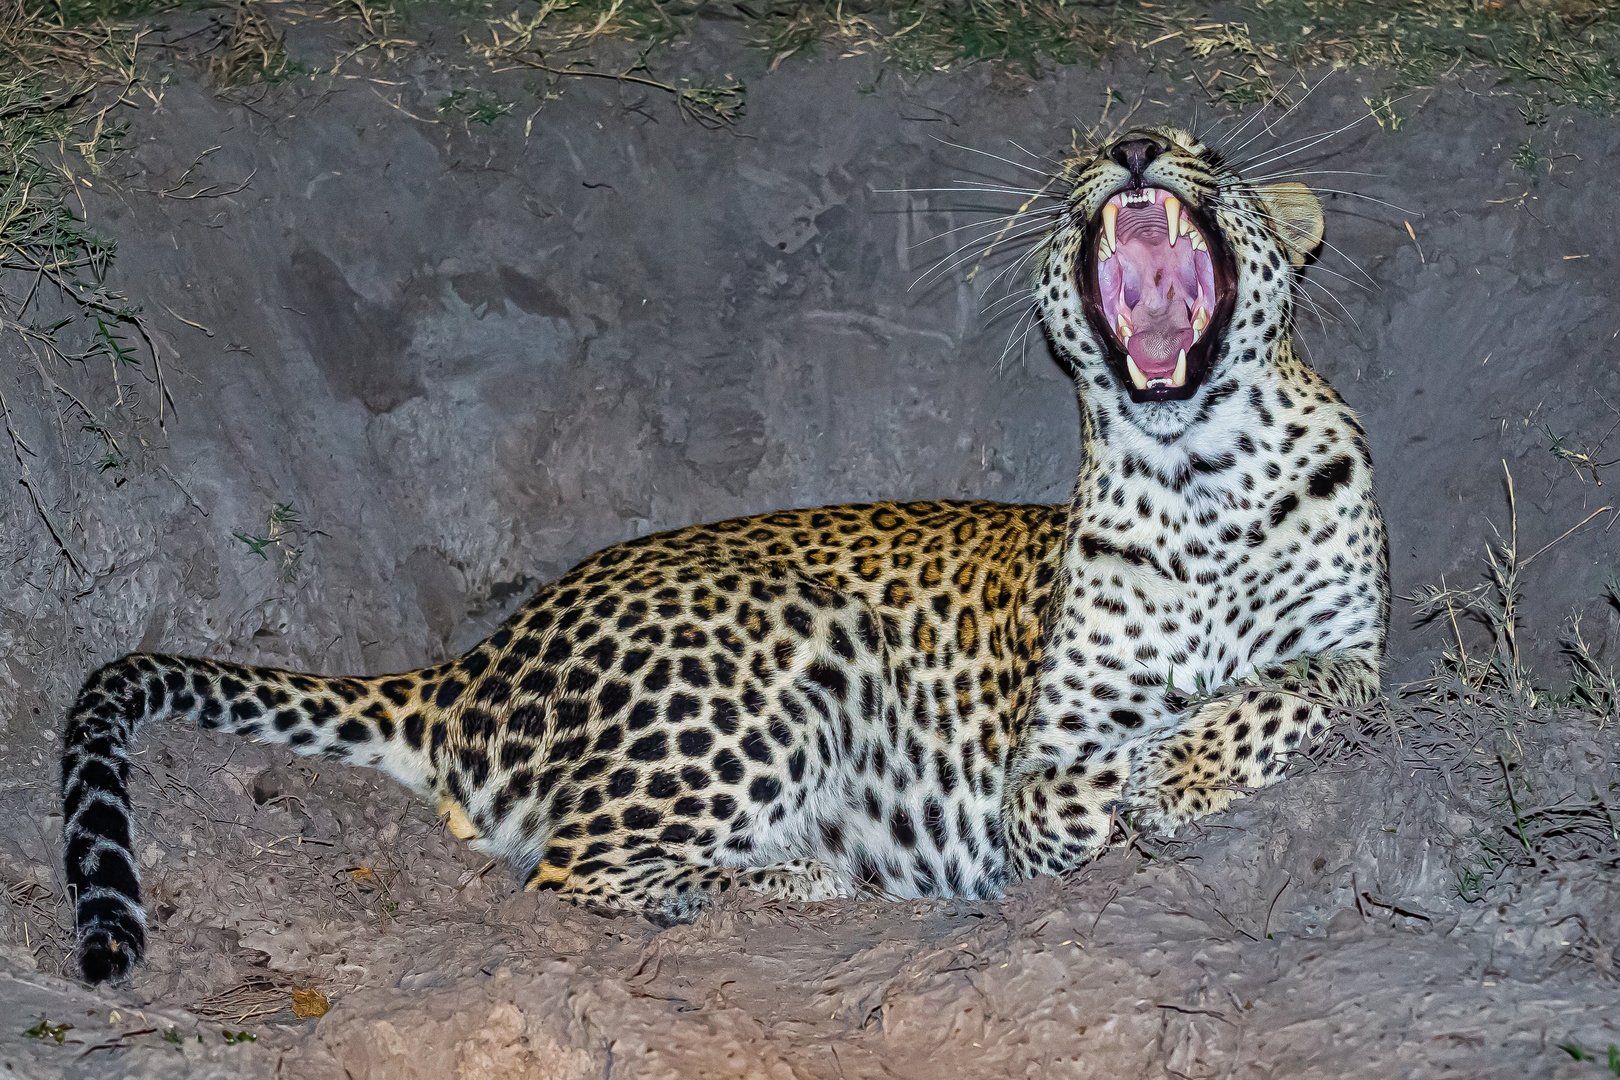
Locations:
(1136, 373)
(1179, 376)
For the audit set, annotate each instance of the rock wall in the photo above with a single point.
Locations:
(464, 357)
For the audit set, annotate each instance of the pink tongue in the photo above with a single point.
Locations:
(1159, 339)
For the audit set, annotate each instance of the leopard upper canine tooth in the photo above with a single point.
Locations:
(1136, 373)
(1172, 216)
(1179, 376)
(1111, 224)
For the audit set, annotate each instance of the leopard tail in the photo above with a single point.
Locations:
(366, 721)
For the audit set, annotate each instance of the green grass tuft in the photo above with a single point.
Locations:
(481, 108)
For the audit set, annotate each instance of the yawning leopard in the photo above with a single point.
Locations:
(901, 699)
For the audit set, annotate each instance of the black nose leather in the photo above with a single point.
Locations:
(1135, 155)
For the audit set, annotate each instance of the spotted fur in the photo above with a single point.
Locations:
(898, 699)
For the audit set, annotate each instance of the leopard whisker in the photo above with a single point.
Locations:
(1345, 191)
(1272, 126)
(1028, 320)
(1007, 302)
(1035, 215)
(1363, 286)
(1278, 153)
(1055, 162)
(966, 189)
(1268, 222)
(1290, 173)
(997, 157)
(943, 269)
(1302, 297)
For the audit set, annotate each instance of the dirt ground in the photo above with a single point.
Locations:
(419, 365)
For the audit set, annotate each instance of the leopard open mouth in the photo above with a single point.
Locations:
(1158, 288)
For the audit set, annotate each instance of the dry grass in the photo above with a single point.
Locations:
(1565, 51)
(1562, 51)
(60, 85)
(557, 39)
(247, 45)
(1528, 759)
(41, 921)
(1499, 674)
(254, 998)
(1548, 51)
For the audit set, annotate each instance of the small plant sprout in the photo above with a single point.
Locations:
(481, 108)
(275, 543)
(1580, 1053)
(1383, 112)
(57, 1033)
(1528, 160)
(1584, 462)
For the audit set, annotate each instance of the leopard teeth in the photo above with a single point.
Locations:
(1137, 377)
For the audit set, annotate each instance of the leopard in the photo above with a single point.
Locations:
(892, 699)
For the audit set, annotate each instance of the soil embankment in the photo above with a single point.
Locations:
(418, 366)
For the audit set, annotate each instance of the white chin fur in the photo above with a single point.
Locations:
(1161, 419)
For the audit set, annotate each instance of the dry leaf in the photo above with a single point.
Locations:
(308, 1003)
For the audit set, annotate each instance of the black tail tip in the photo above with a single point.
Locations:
(104, 955)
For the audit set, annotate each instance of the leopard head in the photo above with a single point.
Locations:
(1167, 272)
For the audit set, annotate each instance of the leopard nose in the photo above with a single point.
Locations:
(1135, 155)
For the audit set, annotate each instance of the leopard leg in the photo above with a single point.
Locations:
(678, 891)
(803, 881)
(1242, 741)
(1059, 819)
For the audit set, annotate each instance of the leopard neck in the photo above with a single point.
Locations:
(1178, 444)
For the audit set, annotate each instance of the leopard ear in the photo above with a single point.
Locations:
(1297, 216)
